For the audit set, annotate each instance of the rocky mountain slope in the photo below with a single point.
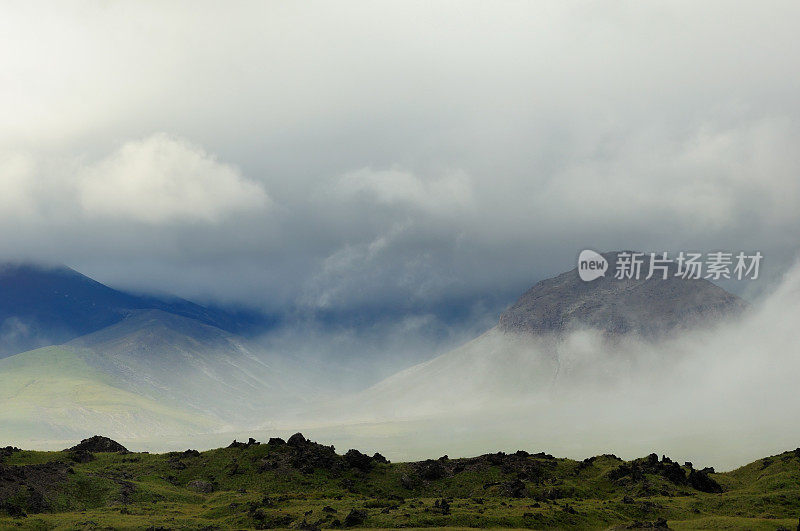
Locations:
(649, 308)
(563, 334)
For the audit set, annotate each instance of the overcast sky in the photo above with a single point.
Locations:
(346, 155)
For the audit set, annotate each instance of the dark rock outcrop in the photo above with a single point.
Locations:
(9, 450)
(703, 482)
(250, 442)
(354, 518)
(98, 443)
(296, 440)
(378, 458)
(27, 489)
(358, 460)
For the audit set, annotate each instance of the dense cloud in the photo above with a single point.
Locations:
(337, 157)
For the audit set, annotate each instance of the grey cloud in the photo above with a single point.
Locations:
(410, 151)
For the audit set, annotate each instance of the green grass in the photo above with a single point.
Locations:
(57, 388)
(260, 486)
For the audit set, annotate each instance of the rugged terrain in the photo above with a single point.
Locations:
(297, 483)
(649, 308)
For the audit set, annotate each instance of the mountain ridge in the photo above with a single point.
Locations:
(44, 305)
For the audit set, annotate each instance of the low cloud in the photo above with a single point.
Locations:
(163, 179)
(396, 187)
(721, 395)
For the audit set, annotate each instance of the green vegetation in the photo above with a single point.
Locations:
(301, 484)
(56, 387)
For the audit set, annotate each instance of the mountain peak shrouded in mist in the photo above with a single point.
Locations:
(46, 305)
(551, 342)
(646, 307)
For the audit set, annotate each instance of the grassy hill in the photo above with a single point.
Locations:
(301, 484)
(151, 375)
(52, 393)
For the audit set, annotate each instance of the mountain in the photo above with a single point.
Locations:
(181, 361)
(301, 484)
(153, 373)
(564, 336)
(42, 306)
(53, 394)
(648, 308)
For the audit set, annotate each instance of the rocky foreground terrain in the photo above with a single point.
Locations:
(297, 483)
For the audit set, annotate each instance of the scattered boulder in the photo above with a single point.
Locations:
(407, 482)
(98, 443)
(250, 442)
(25, 489)
(442, 506)
(355, 517)
(81, 456)
(661, 523)
(431, 470)
(308, 526)
(515, 488)
(8, 450)
(276, 441)
(198, 485)
(378, 458)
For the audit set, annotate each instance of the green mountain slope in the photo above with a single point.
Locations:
(53, 393)
(307, 485)
(152, 376)
(192, 365)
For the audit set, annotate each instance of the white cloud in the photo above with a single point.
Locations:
(398, 187)
(164, 179)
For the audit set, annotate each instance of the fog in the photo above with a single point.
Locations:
(719, 396)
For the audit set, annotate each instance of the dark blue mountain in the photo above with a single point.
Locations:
(42, 306)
